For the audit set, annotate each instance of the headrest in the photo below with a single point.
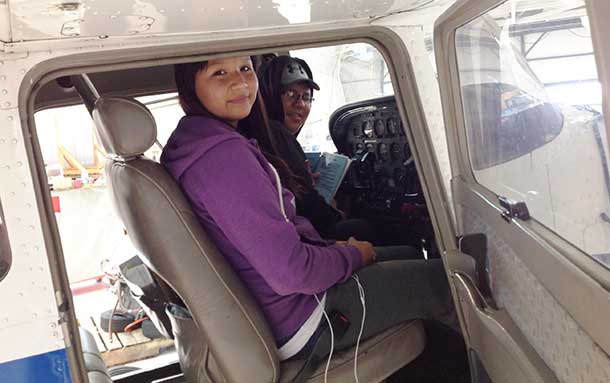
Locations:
(126, 128)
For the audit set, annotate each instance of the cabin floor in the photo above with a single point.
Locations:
(444, 359)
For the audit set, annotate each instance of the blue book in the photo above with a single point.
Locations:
(332, 168)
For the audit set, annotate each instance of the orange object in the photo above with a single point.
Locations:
(133, 324)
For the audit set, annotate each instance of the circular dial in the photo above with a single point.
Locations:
(392, 126)
(384, 151)
(396, 151)
(379, 128)
(367, 129)
(406, 151)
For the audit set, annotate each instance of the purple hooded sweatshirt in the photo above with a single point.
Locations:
(252, 220)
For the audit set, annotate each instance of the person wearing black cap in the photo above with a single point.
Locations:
(287, 86)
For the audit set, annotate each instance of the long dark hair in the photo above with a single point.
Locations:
(270, 79)
(255, 125)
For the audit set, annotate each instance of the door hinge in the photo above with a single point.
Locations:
(513, 209)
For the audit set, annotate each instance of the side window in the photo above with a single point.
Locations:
(540, 142)
(5, 249)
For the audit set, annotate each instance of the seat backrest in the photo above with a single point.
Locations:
(172, 242)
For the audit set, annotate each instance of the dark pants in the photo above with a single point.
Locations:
(395, 291)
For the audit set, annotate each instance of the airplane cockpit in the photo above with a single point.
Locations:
(471, 133)
(133, 112)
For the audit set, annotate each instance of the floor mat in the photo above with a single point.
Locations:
(444, 359)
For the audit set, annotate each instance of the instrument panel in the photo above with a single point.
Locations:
(382, 175)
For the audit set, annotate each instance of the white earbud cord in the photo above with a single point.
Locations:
(362, 300)
(332, 340)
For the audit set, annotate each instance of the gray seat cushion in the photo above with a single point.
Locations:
(378, 357)
(96, 368)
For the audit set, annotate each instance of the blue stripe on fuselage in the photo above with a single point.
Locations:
(51, 367)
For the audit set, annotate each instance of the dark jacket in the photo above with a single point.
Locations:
(310, 204)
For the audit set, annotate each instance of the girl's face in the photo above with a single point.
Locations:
(227, 88)
(296, 102)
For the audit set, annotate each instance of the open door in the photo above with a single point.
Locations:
(524, 114)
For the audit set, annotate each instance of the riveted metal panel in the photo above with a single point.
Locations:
(30, 309)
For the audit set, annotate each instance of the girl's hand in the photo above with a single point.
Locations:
(366, 250)
(314, 176)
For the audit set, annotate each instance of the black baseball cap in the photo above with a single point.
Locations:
(294, 72)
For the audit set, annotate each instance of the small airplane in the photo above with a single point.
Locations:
(475, 130)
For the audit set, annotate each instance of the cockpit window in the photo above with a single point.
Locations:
(5, 249)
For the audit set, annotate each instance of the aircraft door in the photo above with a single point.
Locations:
(528, 145)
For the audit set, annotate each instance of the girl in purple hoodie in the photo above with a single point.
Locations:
(244, 194)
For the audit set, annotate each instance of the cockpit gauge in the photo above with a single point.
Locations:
(367, 129)
(383, 151)
(379, 128)
(392, 126)
(396, 151)
(406, 151)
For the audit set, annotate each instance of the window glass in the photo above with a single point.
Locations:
(532, 111)
(346, 73)
(5, 249)
(74, 160)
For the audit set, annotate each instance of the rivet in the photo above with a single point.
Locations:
(5, 320)
(53, 325)
(7, 167)
(14, 141)
(162, 11)
(36, 248)
(23, 184)
(112, 17)
(28, 205)
(102, 36)
(2, 77)
(34, 315)
(7, 104)
(4, 91)
(182, 10)
(22, 71)
(55, 334)
(19, 163)
(222, 9)
(31, 227)
(41, 268)
(10, 118)
(2, 141)
(18, 219)
(20, 295)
